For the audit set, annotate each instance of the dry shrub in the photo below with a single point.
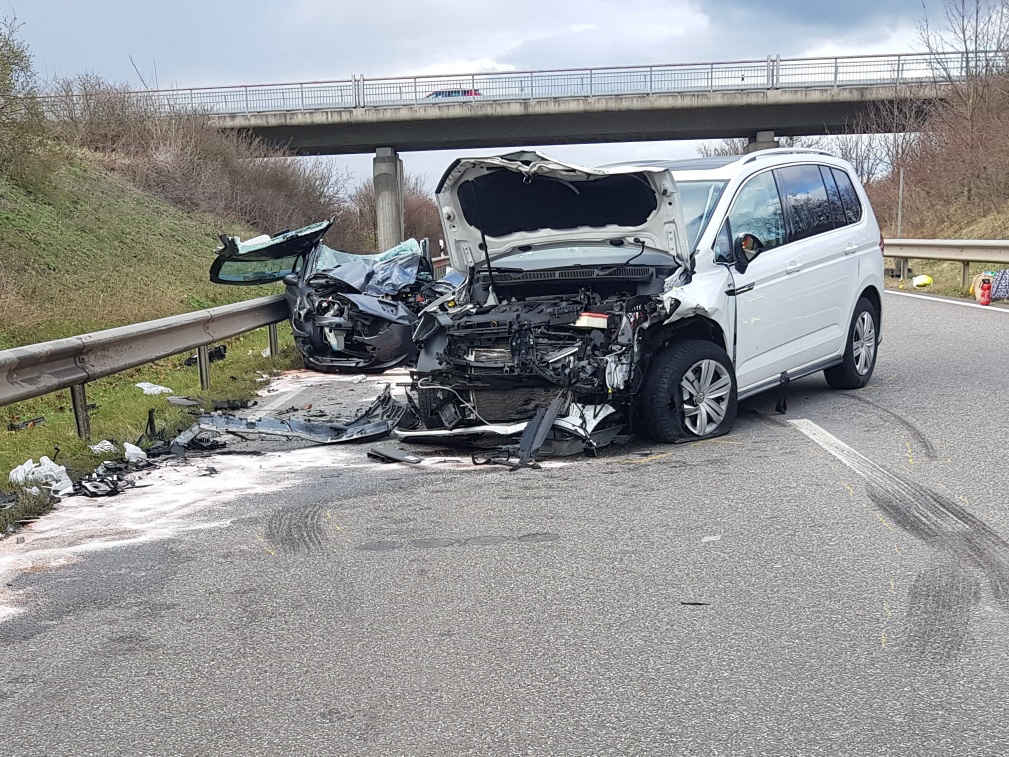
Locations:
(180, 157)
(24, 153)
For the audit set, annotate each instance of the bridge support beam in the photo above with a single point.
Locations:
(388, 175)
(763, 140)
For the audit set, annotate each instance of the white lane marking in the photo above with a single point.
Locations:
(989, 308)
(858, 462)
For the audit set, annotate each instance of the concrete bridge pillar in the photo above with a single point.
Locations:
(763, 140)
(388, 175)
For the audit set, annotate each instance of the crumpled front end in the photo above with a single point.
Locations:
(340, 331)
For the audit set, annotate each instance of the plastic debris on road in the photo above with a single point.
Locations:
(716, 537)
(45, 473)
(104, 447)
(133, 453)
(922, 281)
(148, 388)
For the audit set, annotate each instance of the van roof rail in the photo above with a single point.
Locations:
(786, 151)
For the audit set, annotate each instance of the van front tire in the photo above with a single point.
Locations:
(689, 393)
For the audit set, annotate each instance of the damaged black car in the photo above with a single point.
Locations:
(349, 312)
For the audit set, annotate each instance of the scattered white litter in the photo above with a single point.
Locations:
(133, 453)
(148, 388)
(265, 352)
(46, 473)
(103, 447)
(716, 537)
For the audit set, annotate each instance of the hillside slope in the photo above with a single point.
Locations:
(90, 251)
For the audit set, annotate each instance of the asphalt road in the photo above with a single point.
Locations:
(830, 581)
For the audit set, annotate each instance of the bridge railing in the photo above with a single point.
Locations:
(768, 73)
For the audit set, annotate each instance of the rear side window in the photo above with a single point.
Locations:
(836, 208)
(808, 209)
(849, 197)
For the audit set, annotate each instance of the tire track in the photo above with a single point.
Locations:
(296, 529)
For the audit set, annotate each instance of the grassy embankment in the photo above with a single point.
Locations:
(87, 250)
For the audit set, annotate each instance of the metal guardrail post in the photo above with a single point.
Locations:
(592, 88)
(835, 73)
(246, 89)
(301, 92)
(79, 401)
(650, 83)
(965, 274)
(530, 85)
(203, 363)
(271, 331)
(711, 77)
(415, 90)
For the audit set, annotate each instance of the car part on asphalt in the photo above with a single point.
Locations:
(349, 312)
(387, 453)
(375, 422)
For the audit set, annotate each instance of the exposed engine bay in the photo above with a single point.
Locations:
(588, 343)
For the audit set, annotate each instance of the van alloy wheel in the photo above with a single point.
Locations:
(705, 391)
(863, 342)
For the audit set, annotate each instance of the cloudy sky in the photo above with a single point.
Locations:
(214, 42)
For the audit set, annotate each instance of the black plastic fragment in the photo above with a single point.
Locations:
(387, 453)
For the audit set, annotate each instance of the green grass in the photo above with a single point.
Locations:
(85, 250)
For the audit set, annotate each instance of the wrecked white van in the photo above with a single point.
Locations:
(644, 297)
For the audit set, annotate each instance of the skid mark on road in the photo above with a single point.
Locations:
(939, 610)
(916, 433)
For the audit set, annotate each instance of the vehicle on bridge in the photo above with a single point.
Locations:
(439, 94)
(648, 296)
(349, 312)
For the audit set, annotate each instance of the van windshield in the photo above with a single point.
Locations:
(698, 200)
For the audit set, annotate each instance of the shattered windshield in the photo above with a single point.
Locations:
(698, 200)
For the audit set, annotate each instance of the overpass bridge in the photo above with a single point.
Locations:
(757, 99)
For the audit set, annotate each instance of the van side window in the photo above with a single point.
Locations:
(836, 208)
(805, 197)
(849, 197)
(757, 211)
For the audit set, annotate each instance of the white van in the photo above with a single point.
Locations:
(648, 296)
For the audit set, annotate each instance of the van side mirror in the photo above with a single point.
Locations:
(291, 279)
(745, 247)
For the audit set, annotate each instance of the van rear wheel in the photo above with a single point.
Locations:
(689, 393)
(859, 359)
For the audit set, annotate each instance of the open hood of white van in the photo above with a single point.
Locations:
(525, 198)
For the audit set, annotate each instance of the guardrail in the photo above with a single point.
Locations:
(38, 369)
(966, 251)
(773, 72)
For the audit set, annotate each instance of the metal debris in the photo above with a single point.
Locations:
(22, 425)
(214, 353)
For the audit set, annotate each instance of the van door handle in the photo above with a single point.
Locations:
(851, 249)
(792, 267)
